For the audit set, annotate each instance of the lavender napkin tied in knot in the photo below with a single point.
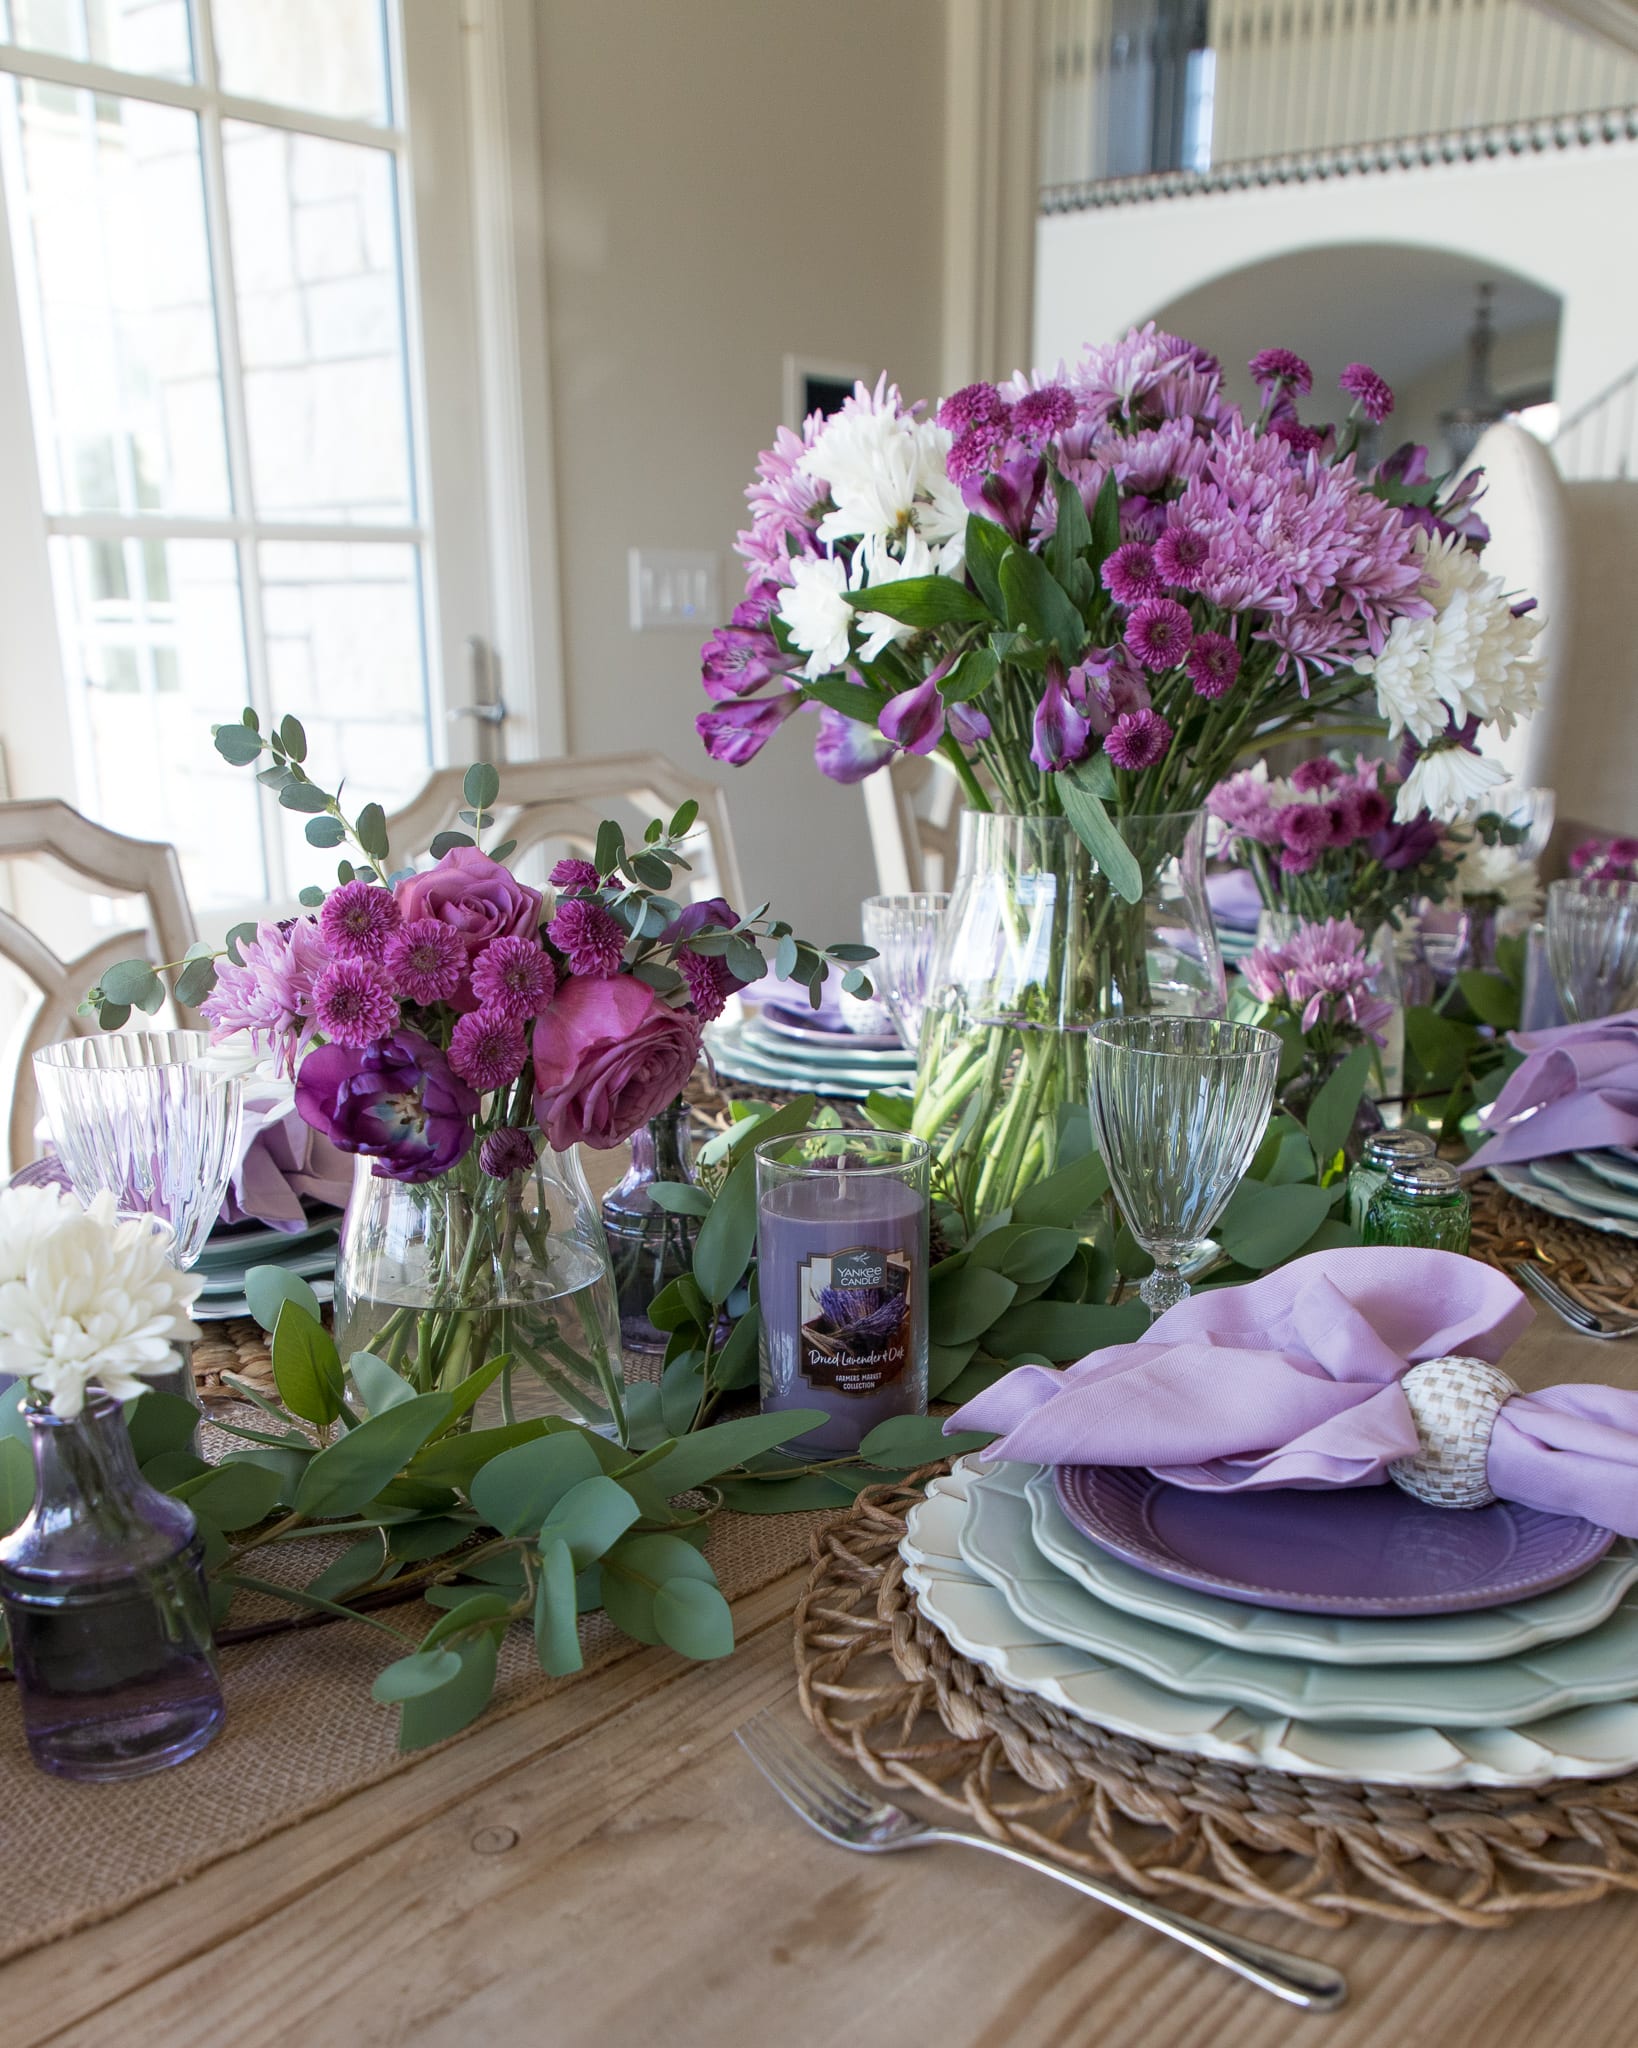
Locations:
(1294, 1380)
(282, 1162)
(1577, 1091)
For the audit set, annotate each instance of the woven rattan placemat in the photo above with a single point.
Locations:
(1598, 1266)
(886, 1688)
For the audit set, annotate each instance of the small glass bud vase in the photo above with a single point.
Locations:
(1383, 1151)
(650, 1247)
(103, 1588)
(1423, 1203)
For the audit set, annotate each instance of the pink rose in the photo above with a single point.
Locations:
(608, 1055)
(477, 899)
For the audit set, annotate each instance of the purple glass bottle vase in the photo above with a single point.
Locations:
(650, 1246)
(103, 1588)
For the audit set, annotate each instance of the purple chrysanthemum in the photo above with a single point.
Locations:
(710, 983)
(487, 1049)
(1299, 439)
(1369, 392)
(513, 978)
(1138, 739)
(1304, 828)
(1180, 556)
(1373, 812)
(589, 937)
(1320, 773)
(425, 960)
(974, 405)
(357, 920)
(1272, 367)
(1293, 862)
(1130, 575)
(352, 1004)
(506, 1152)
(1159, 632)
(974, 452)
(1213, 664)
(271, 994)
(574, 874)
(1041, 415)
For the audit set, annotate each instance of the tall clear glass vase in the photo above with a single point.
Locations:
(1037, 946)
(441, 1277)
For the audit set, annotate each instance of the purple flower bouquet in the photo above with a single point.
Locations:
(461, 1032)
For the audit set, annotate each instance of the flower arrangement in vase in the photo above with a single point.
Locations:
(461, 1032)
(101, 1574)
(1092, 592)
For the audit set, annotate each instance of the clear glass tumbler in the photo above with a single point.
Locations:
(1592, 946)
(1179, 1107)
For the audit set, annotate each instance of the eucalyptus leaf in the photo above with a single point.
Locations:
(590, 1518)
(303, 796)
(238, 744)
(195, 982)
(1264, 1226)
(16, 1483)
(945, 1365)
(800, 1495)
(380, 1387)
(306, 1364)
(324, 830)
(481, 785)
(705, 1453)
(232, 1496)
(446, 842)
(722, 1251)
(268, 1288)
(964, 1303)
(286, 1463)
(1099, 834)
(518, 1490)
(682, 1388)
(889, 1112)
(693, 1619)
(735, 1365)
(557, 1637)
(447, 1709)
(133, 982)
(903, 1441)
(1331, 1114)
(355, 1567)
(1491, 997)
(679, 1198)
(158, 1422)
(1066, 1330)
(371, 828)
(425, 1672)
(470, 1611)
(353, 1470)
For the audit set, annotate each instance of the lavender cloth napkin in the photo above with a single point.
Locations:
(1292, 1380)
(1577, 1091)
(1234, 900)
(281, 1160)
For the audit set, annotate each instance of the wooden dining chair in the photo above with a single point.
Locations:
(43, 841)
(556, 807)
(914, 807)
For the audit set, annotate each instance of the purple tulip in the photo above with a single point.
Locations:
(914, 719)
(737, 732)
(715, 910)
(396, 1101)
(847, 750)
(1062, 736)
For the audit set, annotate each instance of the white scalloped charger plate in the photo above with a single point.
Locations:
(1588, 1742)
(1488, 1632)
(1520, 1183)
(1565, 1175)
(1612, 1167)
(997, 1541)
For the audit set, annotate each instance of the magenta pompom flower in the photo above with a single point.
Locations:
(513, 977)
(1043, 414)
(1272, 367)
(352, 1004)
(488, 1050)
(589, 937)
(1304, 828)
(974, 405)
(1320, 773)
(1368, 391)
(506, 1152)
(1130, 574)
(1181, 556)
(1299, 439)
(1138, 739)
(357, 920)
(425, 960)
(1213, 664)
(574, 874)
(710, 983)
(1158, 632)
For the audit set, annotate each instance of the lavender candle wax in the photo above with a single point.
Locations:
(842, 1280)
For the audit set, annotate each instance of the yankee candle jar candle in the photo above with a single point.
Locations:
(841, 1230)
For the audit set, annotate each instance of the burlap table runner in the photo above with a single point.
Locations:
(302, 1733)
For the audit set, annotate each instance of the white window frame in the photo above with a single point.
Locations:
(466, 155)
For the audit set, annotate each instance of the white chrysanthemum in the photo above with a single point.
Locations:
(85, 1298)
(1472, 659)
(1444, 781)
(887, 477)
(816, 610)
(878, 565)
(1500, 878)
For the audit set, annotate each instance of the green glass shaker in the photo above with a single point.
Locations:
(1383, 1149)
(1422, 1203)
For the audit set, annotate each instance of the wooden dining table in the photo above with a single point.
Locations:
(606, 1868)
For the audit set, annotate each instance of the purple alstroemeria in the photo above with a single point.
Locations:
(396, 1101)
(967, 725)
(737, 732)
(914, 719)
(1062, 736)
(757, 607)
(1397, 847)
(847, 750)
(1008, 494)
(739, 659)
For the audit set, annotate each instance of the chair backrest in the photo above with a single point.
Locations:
(560, 804)
(914, 808)
(48, 834)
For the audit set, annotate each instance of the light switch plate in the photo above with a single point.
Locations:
(674, 587)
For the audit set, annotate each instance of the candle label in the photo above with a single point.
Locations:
(856, 1334)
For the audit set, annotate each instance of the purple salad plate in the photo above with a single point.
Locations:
(1350, 1551)
(825, 1027)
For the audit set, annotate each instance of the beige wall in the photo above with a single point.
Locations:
(726, 180)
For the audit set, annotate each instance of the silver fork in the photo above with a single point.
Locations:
(1586, 1321)
(853, 1820)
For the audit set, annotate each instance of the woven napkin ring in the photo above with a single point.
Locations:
(1454, 1403)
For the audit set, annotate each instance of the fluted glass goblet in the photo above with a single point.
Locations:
(904, 931)
(142, 1115)
(1179, 1107)
(1592, 946)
